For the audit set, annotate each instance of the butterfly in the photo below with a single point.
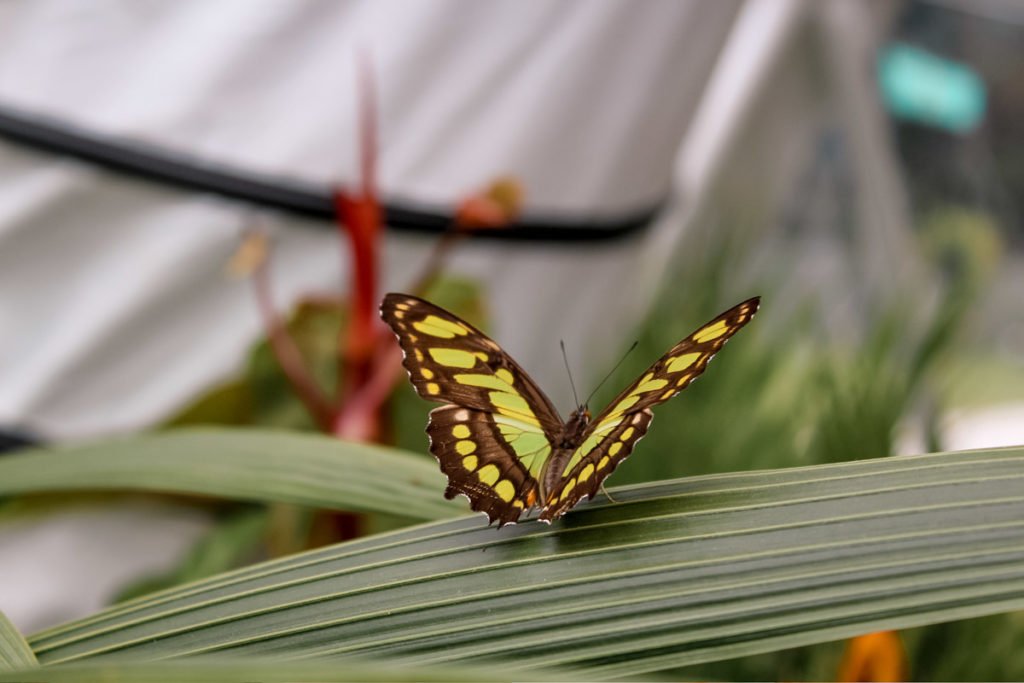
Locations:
(500, 440)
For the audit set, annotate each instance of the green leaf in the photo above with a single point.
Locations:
(14, 651)
(675, 573)
(251, 669)
(244, 464)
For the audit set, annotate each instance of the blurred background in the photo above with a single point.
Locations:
(593, 172)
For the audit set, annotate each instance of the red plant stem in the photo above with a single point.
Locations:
(359, 216)
(287, 352)
(360, 419)
(436, 260)
(368, 125)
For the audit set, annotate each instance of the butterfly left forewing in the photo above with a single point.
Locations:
(451, 361)
(611, 436)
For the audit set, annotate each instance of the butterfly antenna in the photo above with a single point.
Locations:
(565, 357)
(601, 383)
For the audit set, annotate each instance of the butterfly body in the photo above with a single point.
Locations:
(500, 440)
(573, 431)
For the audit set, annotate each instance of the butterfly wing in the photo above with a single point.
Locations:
(611, 436)
(482, 464)
(495, 434)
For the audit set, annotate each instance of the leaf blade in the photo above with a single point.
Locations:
(678, 573)
(245, 464)
(15, 652)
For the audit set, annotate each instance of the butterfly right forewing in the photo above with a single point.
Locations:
(611, 436)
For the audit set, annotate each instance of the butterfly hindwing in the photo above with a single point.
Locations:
(481, 463)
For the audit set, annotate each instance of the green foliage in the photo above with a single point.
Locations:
(676, 573)
(242, 464)
(15, 653)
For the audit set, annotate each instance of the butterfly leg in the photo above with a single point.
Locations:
(606, 494)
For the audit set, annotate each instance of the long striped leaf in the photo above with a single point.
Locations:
(675, 573)
(246, 464)
(263, 670)
(14, 651)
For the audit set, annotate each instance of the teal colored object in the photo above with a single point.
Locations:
(923, 87)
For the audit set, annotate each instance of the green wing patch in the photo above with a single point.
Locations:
(481, 463)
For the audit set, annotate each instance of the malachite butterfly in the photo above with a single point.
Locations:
(499, 439)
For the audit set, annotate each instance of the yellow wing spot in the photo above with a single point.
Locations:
(460, 431)
(626, 434)
(404, 306)
(481, 355)
(505, 490)
(413, 338)
(682, 380)
(465, 447)
(711, 332)
(419, 355)
(433, 331)
(427, 373)
(625, 404)
(586, 472)
(603, 462)
(615, 448)
(488, 474)
(451, 328)
(668, 394)
(513, 405)
(504, 375)
(682, 362)
(651, 385)
(492, 344)
(567, 490)
(399, 314)
(518, 504)
(453, 358)
(486, 381)
(433, 388)
(470, 462)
